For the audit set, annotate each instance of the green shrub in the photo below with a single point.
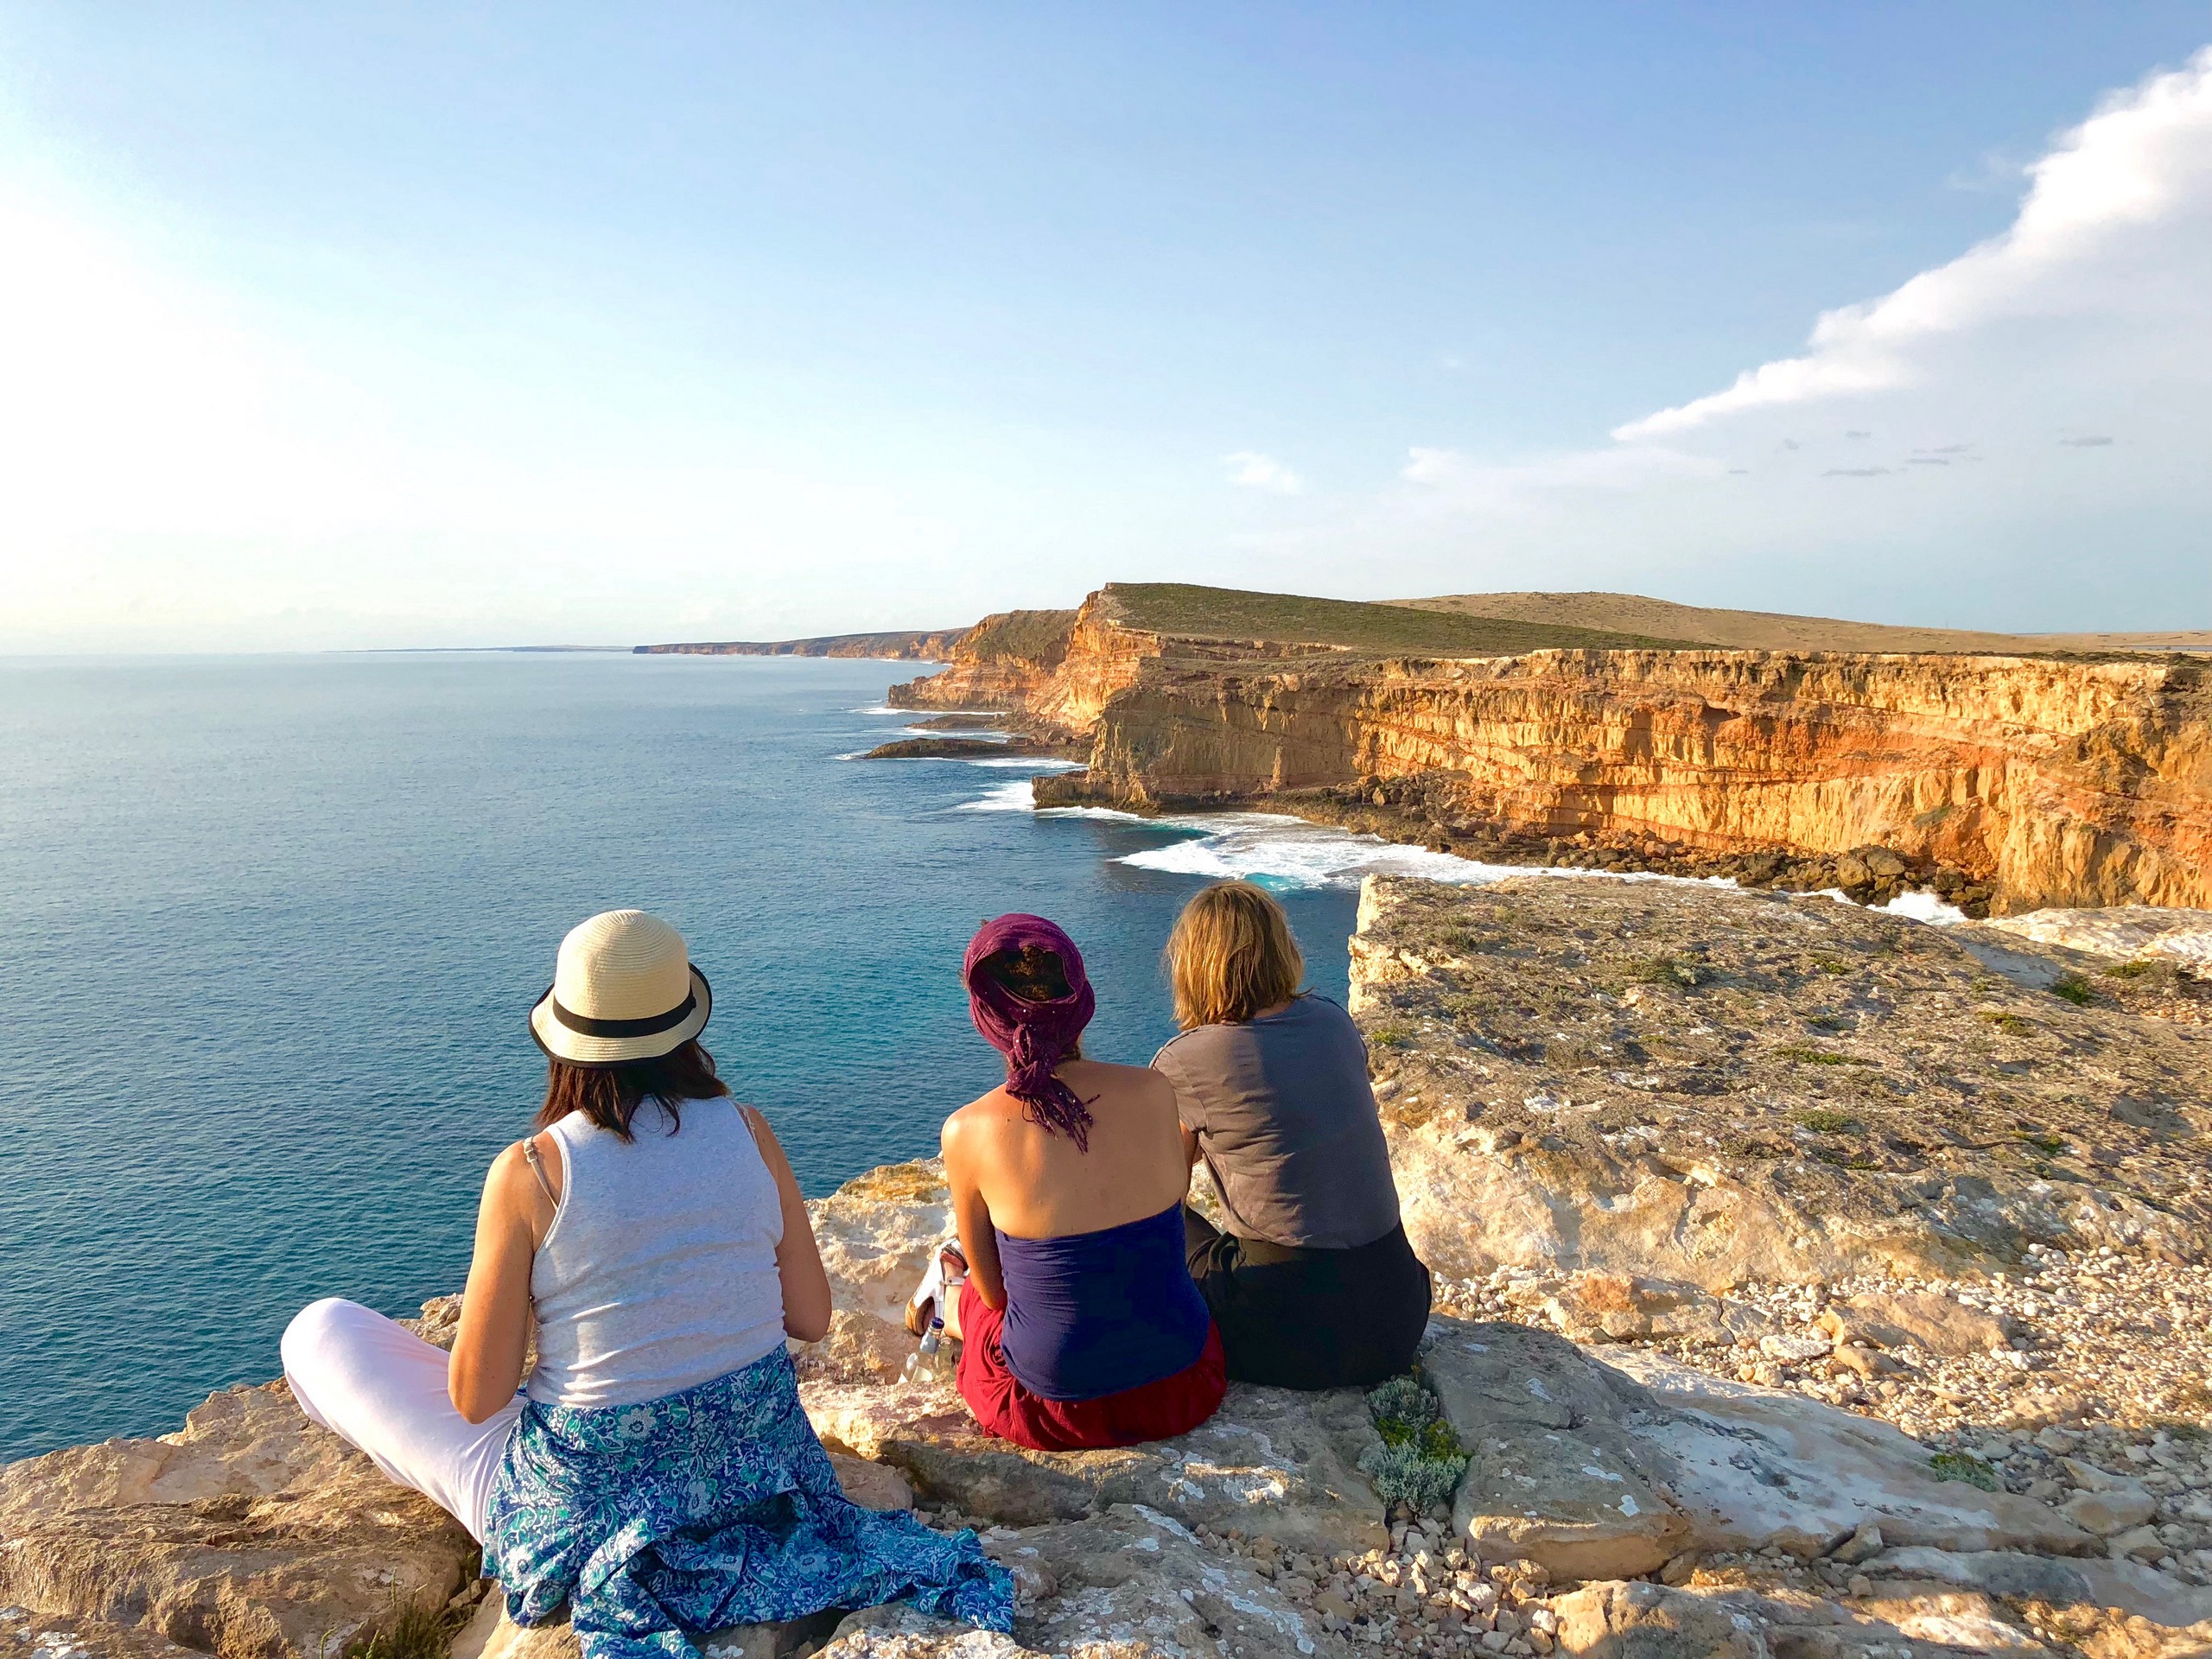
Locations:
(1962, 1466)
(2011, 1024)
(1420, 1459)
(2130, 969)
(1401, 1408)
(1821, 1121)
(1390, 1036)
(408, 1630)
(1807, 1054)
(1683, 971)
(2075, 988)
(1403, 1474)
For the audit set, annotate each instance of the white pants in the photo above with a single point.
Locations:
(384, 1389)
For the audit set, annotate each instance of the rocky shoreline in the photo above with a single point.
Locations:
(1813, 1284)
(2002, 782)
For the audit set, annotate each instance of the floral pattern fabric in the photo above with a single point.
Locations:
(714, 1507)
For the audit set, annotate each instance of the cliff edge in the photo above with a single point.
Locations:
(1813, 1284)
(2019, 782)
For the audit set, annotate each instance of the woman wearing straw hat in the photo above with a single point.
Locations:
(657, 1474)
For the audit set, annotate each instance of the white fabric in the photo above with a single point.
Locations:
(658, 1272)
(384, 1389)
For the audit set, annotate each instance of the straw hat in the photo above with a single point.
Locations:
(624, 989)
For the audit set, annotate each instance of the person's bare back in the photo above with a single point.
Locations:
(1013, 1175)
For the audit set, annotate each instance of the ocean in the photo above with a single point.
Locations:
(274, 924)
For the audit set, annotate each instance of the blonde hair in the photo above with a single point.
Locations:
(1230, 956)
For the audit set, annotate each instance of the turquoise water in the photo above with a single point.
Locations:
(273, 924)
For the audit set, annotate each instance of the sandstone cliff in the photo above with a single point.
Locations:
(2048, 781)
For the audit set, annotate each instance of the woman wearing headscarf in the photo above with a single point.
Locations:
(1314, 1285)
(1080, 1326)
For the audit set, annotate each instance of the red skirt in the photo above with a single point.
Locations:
(1006, 1406)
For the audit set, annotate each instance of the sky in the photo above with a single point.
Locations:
(388, 325)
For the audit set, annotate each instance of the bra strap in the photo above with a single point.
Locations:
(538, 1168)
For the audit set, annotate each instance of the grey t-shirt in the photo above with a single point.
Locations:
(1286, 1124)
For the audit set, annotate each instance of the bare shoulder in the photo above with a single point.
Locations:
(1130, 1082)
(978, 1117)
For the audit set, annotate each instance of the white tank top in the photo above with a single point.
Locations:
(658, 1272)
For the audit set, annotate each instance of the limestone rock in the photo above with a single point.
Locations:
(2136, 1589)
(1271, 1459)
(1599, 1471)
(250, 1533)
(2117, 1508)
(67, 1636)
(492, 1635)
(1129, 1583)
(1936, 1322)
(1668, 1083)
(876, 1233)
(2127, 932)
(1612, 1620)
(1593, 1306)
(1755, 1467)
(1553, 1476)
(872, 1485)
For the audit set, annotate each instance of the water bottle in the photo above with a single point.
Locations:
(926, 1362)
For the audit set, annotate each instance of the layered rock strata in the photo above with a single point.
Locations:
(2048, 781)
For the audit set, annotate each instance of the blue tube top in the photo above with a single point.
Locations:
(1095, 1313)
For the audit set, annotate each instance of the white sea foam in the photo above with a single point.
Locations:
(1002, 798)
(1273, 848)
(1035, 763)
(1279, 850)
(1924, 907)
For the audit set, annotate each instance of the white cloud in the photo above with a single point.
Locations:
(2139, 161)
(1249, 469)
(2014, 438)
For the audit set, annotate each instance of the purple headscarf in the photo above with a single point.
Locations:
(1033, 1036)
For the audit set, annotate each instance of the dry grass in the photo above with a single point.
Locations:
(1174, 608)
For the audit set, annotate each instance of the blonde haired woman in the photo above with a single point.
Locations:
(1315, 1286)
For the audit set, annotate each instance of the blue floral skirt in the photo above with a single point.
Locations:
(714, 1507)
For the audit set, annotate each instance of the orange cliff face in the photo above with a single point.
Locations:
(2057, 782)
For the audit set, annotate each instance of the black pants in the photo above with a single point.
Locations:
(1305, 1318)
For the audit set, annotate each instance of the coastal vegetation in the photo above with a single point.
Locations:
(1182, 609)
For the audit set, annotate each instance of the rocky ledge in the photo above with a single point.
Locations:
(1751, 1354)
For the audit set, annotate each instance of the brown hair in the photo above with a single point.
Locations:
(611, 1095)
(1230, 956)
(1035, 974)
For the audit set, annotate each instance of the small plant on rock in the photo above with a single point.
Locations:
(1685, 972)
(2130, 970)
(1806, 1054)
(1420, 1459)
(410, 1629)
(2075, 988)
(1964, 1465)
(1821, 1122)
